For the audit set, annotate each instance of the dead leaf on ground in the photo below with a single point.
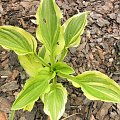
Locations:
(14, 75)
(4, 64)
(3, 116)
(4, 105)
(103, 111)
(92, 117)
(1, 9)
(10, 86)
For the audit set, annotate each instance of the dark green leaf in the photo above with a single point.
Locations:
(63, 68)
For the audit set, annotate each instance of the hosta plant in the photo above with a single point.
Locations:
(45, 66)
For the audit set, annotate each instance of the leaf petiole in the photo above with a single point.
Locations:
(66, 76)
(52, 58)
(12, 115)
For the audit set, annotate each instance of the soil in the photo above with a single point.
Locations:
(99, 50)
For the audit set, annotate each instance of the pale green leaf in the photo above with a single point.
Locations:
(54, 102)
(30, 106)
(17, 39)
(30, 63)
(34, 87)
(98, 86)
(62, 68)
(60, 45)
(48, 20)
(73, 28)
(44, 53)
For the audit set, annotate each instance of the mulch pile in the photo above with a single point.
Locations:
(99, 50)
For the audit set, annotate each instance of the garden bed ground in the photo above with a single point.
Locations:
(98, 50)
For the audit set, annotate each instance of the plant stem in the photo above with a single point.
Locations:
(52, 58)
(12, 115)
(55, 80)
(42, 61)
(63, 54)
